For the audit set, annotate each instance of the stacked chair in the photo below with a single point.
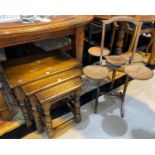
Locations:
(130, 61)
(40, 81)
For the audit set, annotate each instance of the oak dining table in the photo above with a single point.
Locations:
(121, 35)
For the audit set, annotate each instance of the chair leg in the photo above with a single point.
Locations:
(77, 107)
(36, 114)
(113, 79)
(97, 95)
(123, 95)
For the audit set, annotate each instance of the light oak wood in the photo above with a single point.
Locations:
(115, 60)
(136, 58)
(96, 51)
(59, 90)
(32, 88)
(21, 97)
(54, 94)
(4, 110)
(96, 72)
(152, 56)
(39, 85)
(79, 42)
(19, 33)
(36, 67)
(139, 71)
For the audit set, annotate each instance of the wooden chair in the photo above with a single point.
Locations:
(48, 97)
(25, 70)
(32, 88)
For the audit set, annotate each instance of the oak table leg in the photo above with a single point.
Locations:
(152, 56)
(77, 107)
(48, 119)
(120, 39)
(4, 110)
(20, 96)
(36, 114)
(79, 42)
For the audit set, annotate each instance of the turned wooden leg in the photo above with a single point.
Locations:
(90, 39)
(77, 107)
(120, 38)
(152, 56)
(97, 95)
(20, 97)
(10, 99)
(48, 119)
(79, 35)
(112, 37)
(36, 114)
(113, 79)
(123, 95)
(4, 110)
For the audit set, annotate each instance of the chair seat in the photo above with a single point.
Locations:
(139, 71)
(53, 44)
(96, 51)
(115, 60)
(96, 72)
(137, 57)
(60, 90)
(50, 81)
(28, 69)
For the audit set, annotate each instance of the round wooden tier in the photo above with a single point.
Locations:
(96, 72)
(96, 51)
(115, 60)
(138, 71)
(136, 58)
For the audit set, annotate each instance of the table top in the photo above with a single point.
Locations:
(56, 21)
(16, 30)
(139, 18)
